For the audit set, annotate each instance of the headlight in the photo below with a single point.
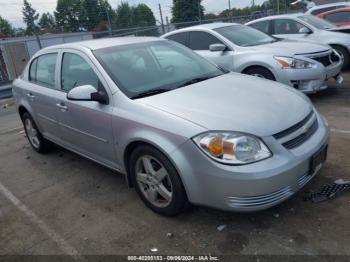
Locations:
(289, 62)
(232, 148)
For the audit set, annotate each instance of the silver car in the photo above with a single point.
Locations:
(307, 28)
(239, 48)
(178, 127)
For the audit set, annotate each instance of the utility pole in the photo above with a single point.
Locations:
(109, 23)
(199, 12)
(278, 6)
(253, 3)
(161, 18)
(167, 24)
(229, 5)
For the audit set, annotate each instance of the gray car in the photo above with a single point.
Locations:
(239, 48)
(178, 127)
(307, 27)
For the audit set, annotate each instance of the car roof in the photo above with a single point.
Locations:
(105, 42)
(295, 15)
(327, 5)
(347, 9)
(210, 26)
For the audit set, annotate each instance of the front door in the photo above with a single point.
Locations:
(86, 126)
(200, 42)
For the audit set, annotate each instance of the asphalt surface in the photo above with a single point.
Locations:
(61, 203)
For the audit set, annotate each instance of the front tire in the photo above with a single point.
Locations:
(35, 138)
(344, 54)
(260, 72)
(156, 181)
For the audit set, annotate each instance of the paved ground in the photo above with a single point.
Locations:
(63, 204)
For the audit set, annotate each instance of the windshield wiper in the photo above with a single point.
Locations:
(150, 93)
(196, 80)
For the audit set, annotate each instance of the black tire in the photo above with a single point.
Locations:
(179, 200)
(345, 54)
(44, 146)
(260, 72)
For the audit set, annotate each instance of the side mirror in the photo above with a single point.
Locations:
(305, 30)
(87, 93)
(217, 47)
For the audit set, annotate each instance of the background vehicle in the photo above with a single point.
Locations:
(239, 48)
(339, 17)
(306, 28)
(176, 125)
(327, 7)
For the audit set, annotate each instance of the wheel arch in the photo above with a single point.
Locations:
(244, 70)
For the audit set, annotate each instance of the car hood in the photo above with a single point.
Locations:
(235, 102)
(291, 47)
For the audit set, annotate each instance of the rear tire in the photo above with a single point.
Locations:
(35, 138)
(345, 54)
(156, 181)
(260, 72)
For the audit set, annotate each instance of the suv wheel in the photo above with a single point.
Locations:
(156, 181)
(36, 140)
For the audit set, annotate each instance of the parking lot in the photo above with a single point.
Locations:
(61, 203)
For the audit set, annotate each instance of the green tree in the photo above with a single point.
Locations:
(5, 28)
(29, 17)
(280, 5)
(47, 22)
(143, 16)
(124, 16)
(187, 10)
(95, 13)
(69, 15)
(210, 16)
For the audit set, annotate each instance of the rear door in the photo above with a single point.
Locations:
(86, 126)
(200, 42)
(42, 94)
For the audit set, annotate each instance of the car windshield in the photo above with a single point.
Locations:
(317, 22)
(146, 69)
(245, 36)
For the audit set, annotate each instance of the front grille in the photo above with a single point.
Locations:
(299, 133)
(294, 128)
(302, 138)
(324, 60)
(262, 200)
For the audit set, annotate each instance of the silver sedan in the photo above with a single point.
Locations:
(239, 48)
(307, 28)
(179, 128)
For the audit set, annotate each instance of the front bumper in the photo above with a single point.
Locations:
(309, 80)
(250, 187)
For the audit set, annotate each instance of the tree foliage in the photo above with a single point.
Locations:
(47, 23)
(133, 16)
(95, 12)
(6, 29)
(68, 15)
(29, 17)
(187, 10)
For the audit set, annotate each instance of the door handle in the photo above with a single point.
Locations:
(62, 106)
(31, 96)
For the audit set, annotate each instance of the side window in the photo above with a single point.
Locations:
(181, 38)
(262, 26)
(42, 70)
(287, 26)
(202, 40)
(338, 17)
(77, 72)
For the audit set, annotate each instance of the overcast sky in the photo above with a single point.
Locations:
(11, 9)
